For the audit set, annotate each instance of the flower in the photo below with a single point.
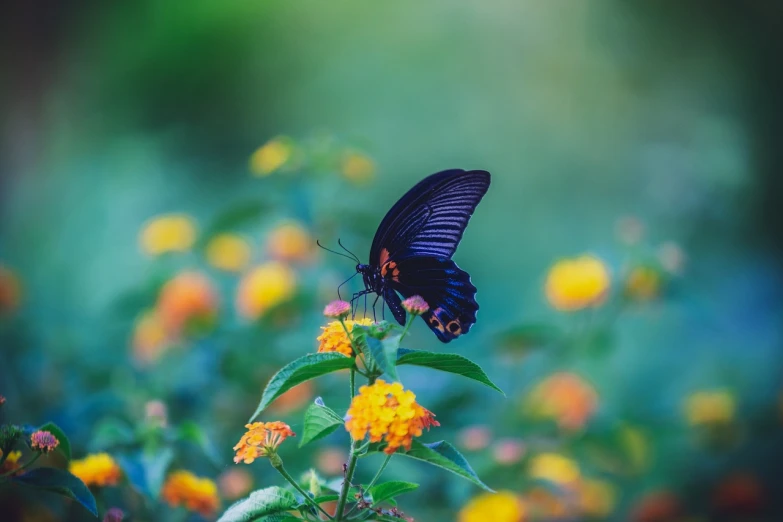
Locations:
(643, 283)
(271, 156)
(337, 309)
(710, 408)
(503, 506)
(290, 241)
(156, 413)
(739, 494)
(11, 462)
(357, 167)
(385, 410)
(235, 483)
(150, 338)
(228, 252)
(187, 304)
(168, 233)
(564, 397)
(114, 515)
(293, 399)
(2, 400)
(658, 506)
(597, 498)
(554, 468)
(261, 440)
(334, 338)
(265, 287)
(43, 441)
(10, 290)
(475, 438)
(98, 469)
(183, 488)
(544, 504)
(415, 305)
(573, 284)
(508, 451)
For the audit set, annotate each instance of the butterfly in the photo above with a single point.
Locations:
(412, 249)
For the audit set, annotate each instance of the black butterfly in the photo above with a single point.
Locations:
(412, 249)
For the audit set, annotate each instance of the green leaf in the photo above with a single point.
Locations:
(303, 369)
(326, 498)
(191, 432)
(61, 482)
(384, 353)
(446, 362)
(319, 421)
(389, 490)
(261, 503)
(155, 465)
(65, 445)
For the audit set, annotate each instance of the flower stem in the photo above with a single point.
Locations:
(304, 493)
(22, 467)
(353, 382)
(378, 475)
(346, 483)
(408, 324)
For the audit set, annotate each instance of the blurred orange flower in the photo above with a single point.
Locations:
(293, 399)
(475, 438)
(508, 451)
(357, 167)
(183, 488)
(544, 504)
(265, 287)
(228, 252)
(150, 339)
(597, 498)
(710, 408)
(168, 233)
(643, 283)
(503, 506)
(290, 241)
(11, 462)
(564, 397)
(99, 469)
(574, 284)
(10, 290)
(187, 304)
(271, 156)
(334, 338)
(658, 506)
(235, 483)
(739, 494)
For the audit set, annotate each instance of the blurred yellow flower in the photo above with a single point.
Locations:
(10, 290)
(334, 338)
(564, 397)
(503, 506)
(643, 283)
(261, 440)
(710, 408)
(357, 167)
(229, 252)
(183, 488)
(597, 498)
(573, 284)
(168, 233)
(187, 304)
(265, 287)
(271, 156)
(554, 468)
(99, 469)
(386, 410)
(150, 339)
(11, 462)
(290, 241)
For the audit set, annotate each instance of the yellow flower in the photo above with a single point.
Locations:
(597, 498)
(11, 462)
(229, 252)
(183, 488)
(573, 284)
(710, 408)
(357, 167)
(503, 506)
(385, 410)
(290, 241)
(150, 339)
(265, 287)
(554, 468)
(334, 338)
(261, 440)
(643, 283)
(10, 290)
(99, 469)
(271, 156)
(566, 398)
(187, 303)
(168, 233)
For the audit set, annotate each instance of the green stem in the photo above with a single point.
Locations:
(411, 317)
(22, 467)
(296, 486)
(353, 383)
(346, 483)
(378, 475)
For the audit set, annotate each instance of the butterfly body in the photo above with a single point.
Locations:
(412, 249)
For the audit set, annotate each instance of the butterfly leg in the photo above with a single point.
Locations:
(373, 307)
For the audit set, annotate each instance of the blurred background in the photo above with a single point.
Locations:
(165, 169)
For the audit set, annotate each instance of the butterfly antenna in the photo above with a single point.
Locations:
(343, 247)
(341, 284)
(317, 242)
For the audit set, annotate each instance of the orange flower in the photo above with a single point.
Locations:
(643, 283)
(10, 290)
(357, 167)
(183, 488)
(261, 440)
(235, 483)
(386, 411)
(290, 241)
(334, 338)
(187, 302)
(99, 469)
(566, 398)
(150, 339)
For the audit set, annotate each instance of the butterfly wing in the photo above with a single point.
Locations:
(430, 218)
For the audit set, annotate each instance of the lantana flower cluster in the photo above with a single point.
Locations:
(261, 440)
(183, 488)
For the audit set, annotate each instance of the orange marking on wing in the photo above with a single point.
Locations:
(435, 321)
(455, 328)
(384, 256)
(391, 266)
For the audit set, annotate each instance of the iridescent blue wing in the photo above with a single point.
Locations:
(430, 218)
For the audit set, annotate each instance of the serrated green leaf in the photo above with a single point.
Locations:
(61, 482)
(389, 490)
(446, 362)
(261, 503)
(384, 354)
(319, 421)
(303, 369)
(65, 445)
